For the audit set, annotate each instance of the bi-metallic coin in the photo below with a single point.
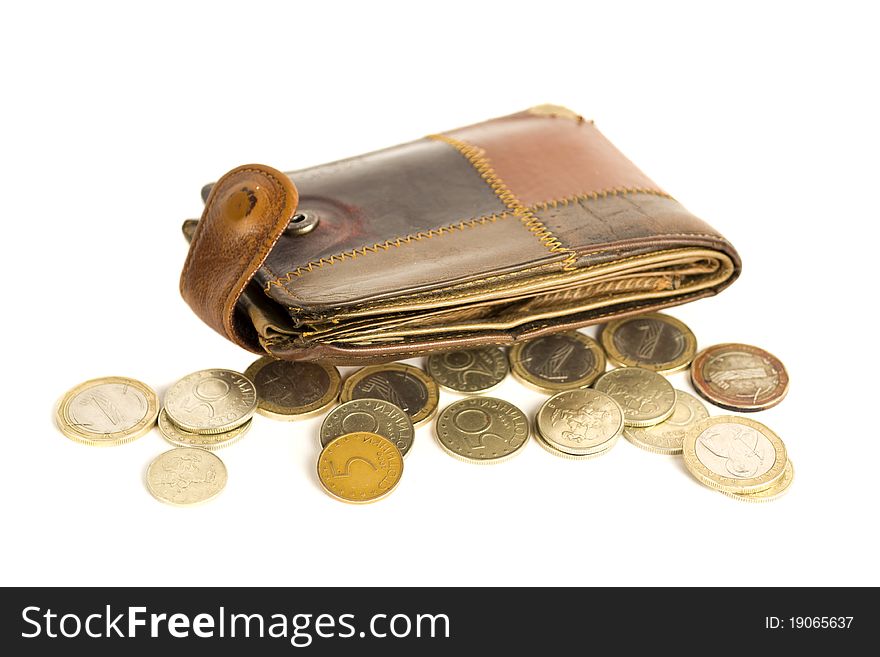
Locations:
(562, 361)
(405, 386)
(108, 411)
(655, 342)
(734, 454)
(290, 390)
(739, 377)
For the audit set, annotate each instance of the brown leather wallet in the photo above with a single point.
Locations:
(487, 235)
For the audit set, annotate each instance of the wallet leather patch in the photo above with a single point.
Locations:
(488, 234)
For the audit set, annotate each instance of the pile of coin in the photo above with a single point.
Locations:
(364, 439)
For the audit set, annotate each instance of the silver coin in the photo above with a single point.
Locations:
(469, 370)
(580, 422)
(482, 429)
(646, 397)
(211, 401)
(667, 437)
(371, 416)
(211, 441)
(186, 475)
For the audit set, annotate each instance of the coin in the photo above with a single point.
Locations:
(186, 475)
(645, 397)
(211, 401)
(734, 454)
(109, 411)
(211, 441)
(575, 457)
(469, 370)
(739, 377)
(405, 386)
(655, 342)
(775, 491)
(371, 416)
(561, 361)
(666, 437)
(579, 423)
(482, 429)
(360, 467)
(290, 390)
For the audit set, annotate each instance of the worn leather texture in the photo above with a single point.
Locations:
(489, 234)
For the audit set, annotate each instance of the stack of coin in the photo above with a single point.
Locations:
(209, 409)
(205, 410)
(579, 424)
(738, 457)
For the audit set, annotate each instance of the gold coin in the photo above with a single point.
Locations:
(210, 441)
(291, 390)
(666, 437)
(655, 342)
(469, 370)
(775, 491)
(185, 476)
(645, 397)
(482, 430)
(360, 467)
(562, 361)
(739, 377)
(108, 411)
(579, 422)
(405, 386)
(734, 454)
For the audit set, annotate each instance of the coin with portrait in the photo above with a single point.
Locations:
(734, 454)
(290, 390)
(405, 386)
(371, 416)
(655, 342)
(211, 401)
(482, 430)
(468, 370)
(667, 436)
(108, 411)
(561, 361)
(646, 397)
(360, 467)
(185, 475)
(739, 377)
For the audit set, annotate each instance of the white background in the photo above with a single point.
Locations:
(761, 118)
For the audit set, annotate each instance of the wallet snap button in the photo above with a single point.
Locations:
(302, 223)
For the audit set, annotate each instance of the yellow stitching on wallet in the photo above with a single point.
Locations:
(384, 246)
(593, 196)
(479, 161)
